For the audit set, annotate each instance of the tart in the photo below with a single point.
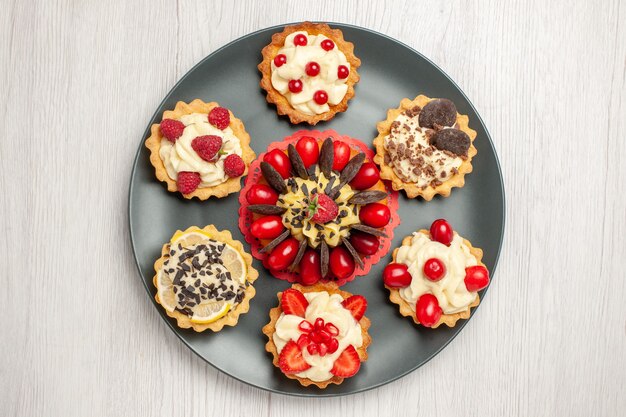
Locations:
(318, 335)
(314, 209)
(435, 276)
(204, 279)
(309, 72)
(425, 147)
(200, 150)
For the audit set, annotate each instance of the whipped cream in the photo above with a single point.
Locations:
(413, 158)
(294, 69)
(328, 307)
(180, 156)
(450, 291)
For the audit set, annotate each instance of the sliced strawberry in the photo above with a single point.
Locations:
(357, 304)
(347, 364)
(293, 302)
(291, 360)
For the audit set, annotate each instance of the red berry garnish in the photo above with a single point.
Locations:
(284, 254)
(375, 215)
(310, 271)
(171, 129)
(427, 310)
(207, 146)
(341, 152)
(219, 117)
(341, 262)
(347, 364)
(342, 72)
(261, 194)
(312, 69)
(187, 182)
(300, 40)
(357, 304)
(267, 227)
(308, 149)
(333, 345)
(397, 275)
(331, 329)
(476, 278)
(319, 323)
(322, 348)
(234, 166)
(366, 177)
(280, 60)
(312, 348)
(291, 360)
(305, 326)
(434, 269)
(280, 161)
(327, 45)
(293, 302)
(320, 97)
(364, 242)
(441, 231)
(295, 86)
(303, 341)
(322, 209)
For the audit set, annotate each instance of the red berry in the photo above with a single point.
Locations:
(341, 262)
(323, 348)
(303, 341)
(279, 161)
(305, 326)
(312, 348)
(187, 182)
(342, 72)
(375, 215)
(427, 310)
(322, 209)
(320, 97)
(434, 269)
(310, 271)
(331, 329)
(283, 255)
(261, 194)
(364, 243)
(295, 86)
(333, 345)
(308, 149)
(219, 117)
(441, 231)
(207, 146)
(476, 278)
(171, 129)
(327, 45)
(267, 227)
(357, 304)
(234, 166)
(291, 360)
(347, 364)
(312, 69)
(319, 323)
(367, 176)
(315, 337)
(300, 40)
(280, 60)
(341, 154)
(293, 302)
(397, 275)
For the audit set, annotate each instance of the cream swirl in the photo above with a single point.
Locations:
(294, 69)
(180, 156)
(450, 290)
(328, 307)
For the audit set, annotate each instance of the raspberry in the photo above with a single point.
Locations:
(207, 146)
(219, 117)
(322, 209)
(234, 166)
(172, 129)
(188, 181)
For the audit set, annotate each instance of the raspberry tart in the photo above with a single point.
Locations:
(309, 72)
(435, 276)
(314, 209)
(200, 150)
(425, 147)
(318, 335)
(204, 279)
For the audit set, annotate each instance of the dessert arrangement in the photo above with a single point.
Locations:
(318, 209)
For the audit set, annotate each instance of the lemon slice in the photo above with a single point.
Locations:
(189, 238)
(165, 291)
(209, 312)
(233, 261)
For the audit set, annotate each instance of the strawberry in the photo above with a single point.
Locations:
(293, 302)
(219, 117)
(347, 364)
(357, 304)
(171, 129)
(291, 360)
(207, 146)
(187, 182)
(322, 209)
(234, 165)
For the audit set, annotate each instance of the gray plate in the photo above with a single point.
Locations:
(390, 71)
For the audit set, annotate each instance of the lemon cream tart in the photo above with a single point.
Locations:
(204, 279)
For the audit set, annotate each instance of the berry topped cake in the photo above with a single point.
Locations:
(309, 72)
(318, 335)
(200, 150)
(314, 208)
(425, 147)
(435, 276)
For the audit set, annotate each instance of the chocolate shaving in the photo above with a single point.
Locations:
(273, 178)
(369, 230)
(266, 209)
(352, 251)
(327, 155)
(352, 168)
(276, 241)
(324, 258)
(296, 162)
(299, 255)
(366, 197)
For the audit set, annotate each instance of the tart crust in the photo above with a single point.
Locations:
(270, 328)
(283, 107)
(413, 190)
(230, 319)
(153, 143)
(447, 319)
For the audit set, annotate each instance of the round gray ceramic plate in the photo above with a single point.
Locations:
(390, 71)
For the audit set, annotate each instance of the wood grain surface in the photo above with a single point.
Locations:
(80, 79)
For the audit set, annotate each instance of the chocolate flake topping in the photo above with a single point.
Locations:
(296, 162)
(327, 155)
(266, 209)
(270, 246)
(370, 230)
(366, 197)
(273, 178)
(324, 258)
(352, 251)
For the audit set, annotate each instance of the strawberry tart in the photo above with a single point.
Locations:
(318, 335)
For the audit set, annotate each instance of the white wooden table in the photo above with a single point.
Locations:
(80, 79)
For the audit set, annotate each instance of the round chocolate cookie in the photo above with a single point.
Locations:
(452, 140)
(440, 112)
